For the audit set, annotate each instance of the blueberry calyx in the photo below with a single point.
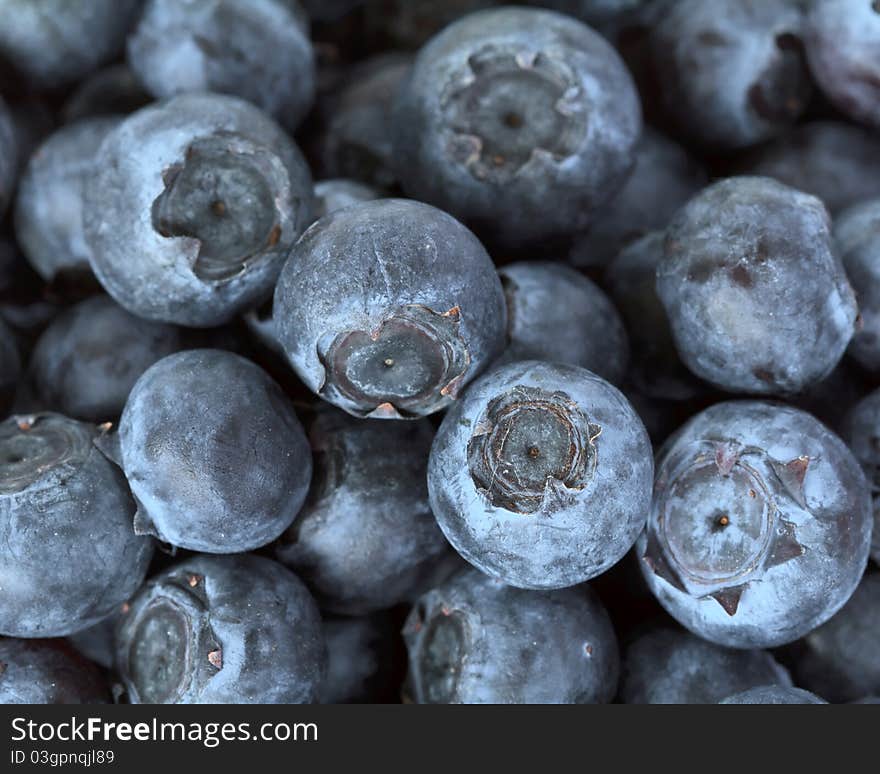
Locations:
(413, 361)
(442, 638)
(224, 196)
(173, 642)
(706, 552)
(508, 108)
(528, 444)
(32, 445)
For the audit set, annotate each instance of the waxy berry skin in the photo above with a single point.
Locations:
(388, 308)
(193, 208)
(213, 451)
(475, 640)
(757, 299)
(843, 48)
(70, 556)
(541, 475)
(48, 672)
(521, 122)
(222, 630)
(555, 313)
(760, 525)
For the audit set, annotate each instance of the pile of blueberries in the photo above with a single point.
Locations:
(440, 351)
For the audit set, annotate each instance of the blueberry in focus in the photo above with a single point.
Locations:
(756, 297)
(70, 556)
(857, 237)
(555, 313)
(222, 630)
(330, 195)
(731, 72)
(49, 204)
(667, 666)
(474, 640)
(53, 43)
(773, 694)
(837, 162)
(663, 179)
(862, 432)
(541, 475)
(760, 526)
(258, 50)
(47, 672)
(194, 206)
(840, 660)
(520, 122)
(366, 538)
(214, 453)
(389, 308)
(843, 48)
(88, 359)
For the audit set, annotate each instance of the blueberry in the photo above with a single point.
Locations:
(86, 362)
(834, 161)
(214, 453)
(55, 42)
(366, 539)
(113, 90)
(756, 298)
(359, 660)
(388, 308)
(258, 50)
(474, 640)
(47, 672)
(732, 72)
(519, 121)
(332, 195)
(667, 666)
(194, 206)
(8, 156)
(760, 526)
(843, 48)
(773, 694)
(356, 143)
(49, 205)
(841, 659)
(657, 371)
(862, 431)
(10, 368)
(222, 630)
(556, 314)
(541, 475)
(857, 237)
(58, 495)
(663, 179)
